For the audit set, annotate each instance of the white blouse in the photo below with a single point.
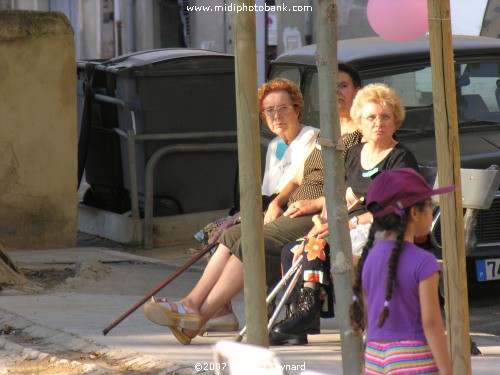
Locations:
(279, 172)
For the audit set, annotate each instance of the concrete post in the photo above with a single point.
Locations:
(38, 142)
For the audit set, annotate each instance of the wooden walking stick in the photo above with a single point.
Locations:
(159, 287)
(163, 284)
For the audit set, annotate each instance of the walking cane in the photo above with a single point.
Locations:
(159, 287)
(163, 284)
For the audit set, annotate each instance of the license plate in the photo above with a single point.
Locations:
(488, 269)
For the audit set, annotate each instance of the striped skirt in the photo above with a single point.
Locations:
(399, 357)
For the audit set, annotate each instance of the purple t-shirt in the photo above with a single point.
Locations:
(404, 321)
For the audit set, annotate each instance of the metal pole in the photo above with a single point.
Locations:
(118, 27)
(295, 269)
(250, 174)
(150, 168)
(448, 163)
(134, 196)
(334, 175)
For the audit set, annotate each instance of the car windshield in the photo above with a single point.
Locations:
(477, 86)
(477, 91)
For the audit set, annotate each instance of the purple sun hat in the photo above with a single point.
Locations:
(394, 190)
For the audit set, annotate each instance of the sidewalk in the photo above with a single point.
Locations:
(69, 317)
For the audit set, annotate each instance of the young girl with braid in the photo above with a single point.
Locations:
(396, 288)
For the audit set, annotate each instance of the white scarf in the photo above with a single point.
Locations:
(279, 172)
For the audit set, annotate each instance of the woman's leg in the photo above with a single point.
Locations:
(277, 234)
(223, 277)
(306, 320)
(193, 301)
(228, 285)
(210, 295)
(227, 241)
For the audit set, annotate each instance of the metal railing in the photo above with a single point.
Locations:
(131, 138)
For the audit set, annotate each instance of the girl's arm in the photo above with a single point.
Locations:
(433, 323)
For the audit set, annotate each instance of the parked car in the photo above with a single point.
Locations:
(406, 67)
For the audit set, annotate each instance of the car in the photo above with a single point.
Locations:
(406, 67)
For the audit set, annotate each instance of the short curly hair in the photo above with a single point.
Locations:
(281, 84)
(382, 94)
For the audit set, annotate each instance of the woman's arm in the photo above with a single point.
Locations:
(366, 218)
(433, 323)
(274, 210)
(305, 207)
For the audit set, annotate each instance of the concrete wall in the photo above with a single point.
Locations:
(38, 142)
(212, 30)
(147, 28)
(97, 36)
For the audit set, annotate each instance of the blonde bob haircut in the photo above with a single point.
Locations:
(281, 84)
(378, 93)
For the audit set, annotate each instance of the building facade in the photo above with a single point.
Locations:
(107, 28)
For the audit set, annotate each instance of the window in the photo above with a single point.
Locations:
(310, 112)
(291, 73)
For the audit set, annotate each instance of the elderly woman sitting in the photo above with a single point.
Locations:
(379, 112)
(223, 276)
(285, 155)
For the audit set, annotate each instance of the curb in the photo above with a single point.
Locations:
(33, 355)
(56, 340)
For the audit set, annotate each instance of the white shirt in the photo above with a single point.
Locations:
(279, 172)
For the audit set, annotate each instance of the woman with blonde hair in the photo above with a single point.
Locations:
(379, 112)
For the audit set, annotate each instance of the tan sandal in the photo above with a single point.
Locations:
(175, 316)
(180, 335)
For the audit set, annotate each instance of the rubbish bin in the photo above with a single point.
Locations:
(98, 144)
(172, 92)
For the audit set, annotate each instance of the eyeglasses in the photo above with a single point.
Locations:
(283, 110)
(372, 119)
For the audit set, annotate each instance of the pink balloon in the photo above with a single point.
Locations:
(398, 20)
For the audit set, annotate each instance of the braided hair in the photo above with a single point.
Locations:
(356, 311)
(390, 222)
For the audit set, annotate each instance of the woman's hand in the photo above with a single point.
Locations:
(365, 218)
(273, 212)
(352, 224)
(352, 200)
(319, 231)
(320, 228)
(302, 207)
(298, 252)
(324, 214)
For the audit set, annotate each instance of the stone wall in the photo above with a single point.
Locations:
(38, 132)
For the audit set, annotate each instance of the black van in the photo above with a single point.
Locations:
(406, 68)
